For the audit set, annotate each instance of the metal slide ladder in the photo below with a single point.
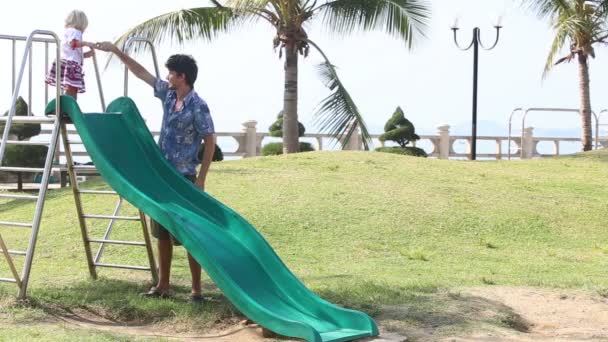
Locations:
(59, 126)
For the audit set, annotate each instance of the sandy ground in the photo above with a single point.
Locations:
(492, 313)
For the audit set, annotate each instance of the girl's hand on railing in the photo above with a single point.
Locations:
(89, 53)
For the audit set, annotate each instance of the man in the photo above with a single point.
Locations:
(186, 122)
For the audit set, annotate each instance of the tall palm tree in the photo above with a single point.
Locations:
(337, 114)
(581, 24)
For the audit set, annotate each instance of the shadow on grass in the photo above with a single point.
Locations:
(119, 301)
(15, 203)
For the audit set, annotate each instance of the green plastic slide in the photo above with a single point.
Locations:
(234, 254)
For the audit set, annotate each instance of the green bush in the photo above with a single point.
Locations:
(276, 129)
(22, 131)
(406, 151)
(21, 155)
(25, 156)
(218, 155)
(275, 149)
(399, 129)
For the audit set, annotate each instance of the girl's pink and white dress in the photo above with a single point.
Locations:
(70, 70)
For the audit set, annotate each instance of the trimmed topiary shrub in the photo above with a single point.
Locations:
(23, 155)
(402, 131)
(276, 148)
(218, 155)
(276, 130)
(22, 131)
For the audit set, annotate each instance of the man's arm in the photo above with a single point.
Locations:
(137, 69)
(209, 141)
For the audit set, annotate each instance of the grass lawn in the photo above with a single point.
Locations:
(364, 230)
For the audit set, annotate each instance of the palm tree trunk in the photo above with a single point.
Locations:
(290, 100)
(585, 102)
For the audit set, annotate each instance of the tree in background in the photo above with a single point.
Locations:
(337, 114)
(578, 25)
(22, 155)
(276, 130)
(402, 131)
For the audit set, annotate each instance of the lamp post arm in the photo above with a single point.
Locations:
(495, 42)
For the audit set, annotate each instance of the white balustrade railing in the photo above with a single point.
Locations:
(249, 142)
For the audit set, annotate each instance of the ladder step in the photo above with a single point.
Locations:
(21, 169)
(111, 217)
(15, 252)
(28, 143)
(15, 224)
(8, 280)
(98, 192)
(118, 242)
(29, 119)
(30, 197)
(140, 268)
(85, 168)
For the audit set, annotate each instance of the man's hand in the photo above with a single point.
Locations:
(200, 182)
(106, 46)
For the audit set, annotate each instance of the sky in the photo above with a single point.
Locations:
(241, 76)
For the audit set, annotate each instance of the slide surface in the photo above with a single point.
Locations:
(238, 259)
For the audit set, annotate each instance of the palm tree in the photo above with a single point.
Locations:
(581, 24)
(337, 114)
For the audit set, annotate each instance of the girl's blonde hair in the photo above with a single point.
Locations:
(77, 19)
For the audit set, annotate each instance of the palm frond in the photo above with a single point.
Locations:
(338, 114)
(245, 6)
(550, 8)
(183, 25)
(401, 18)
(562, 32)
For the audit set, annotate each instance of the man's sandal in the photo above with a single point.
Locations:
(155, 293)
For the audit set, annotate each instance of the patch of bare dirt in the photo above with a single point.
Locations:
(492, 313)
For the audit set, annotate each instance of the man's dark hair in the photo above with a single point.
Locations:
(183, 64)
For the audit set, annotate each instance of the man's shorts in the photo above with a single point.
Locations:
(160, 232)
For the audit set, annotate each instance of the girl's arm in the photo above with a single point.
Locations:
(75, 44)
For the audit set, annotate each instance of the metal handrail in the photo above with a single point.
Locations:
(126, 46)
(99, 87)
(17, 84)
(509, 138)
(568, 110)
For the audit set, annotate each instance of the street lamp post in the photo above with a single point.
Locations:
(475, 43)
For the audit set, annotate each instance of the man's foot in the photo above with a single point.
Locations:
(196, 299)
(156, 293)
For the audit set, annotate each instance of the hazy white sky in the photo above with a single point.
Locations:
(241, 77)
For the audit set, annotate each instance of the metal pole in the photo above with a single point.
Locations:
(29, 87)
(14, 65)
(475, 77)
(46, 69)
(510, 129)
(27, 265)
(99, 87)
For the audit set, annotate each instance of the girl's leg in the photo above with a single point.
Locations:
(72, 91)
